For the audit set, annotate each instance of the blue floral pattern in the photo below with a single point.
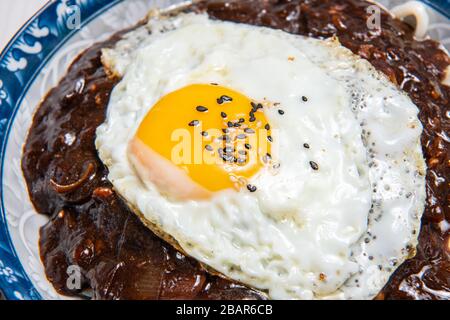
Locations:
(442, 6)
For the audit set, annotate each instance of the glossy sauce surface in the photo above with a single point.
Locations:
(92, 227)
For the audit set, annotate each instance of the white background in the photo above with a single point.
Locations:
(13, 14)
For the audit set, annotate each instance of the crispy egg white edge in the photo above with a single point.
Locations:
(344, 66)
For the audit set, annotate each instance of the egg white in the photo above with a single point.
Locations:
(336, 232)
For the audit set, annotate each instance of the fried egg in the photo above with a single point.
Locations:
(282, 162)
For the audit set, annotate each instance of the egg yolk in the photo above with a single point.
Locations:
(217, 136)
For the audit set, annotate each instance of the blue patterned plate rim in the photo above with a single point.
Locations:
(16, 76)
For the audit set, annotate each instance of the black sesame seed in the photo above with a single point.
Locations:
(224, 99)
(209, 148)
(248, 146)
(225, 130)
(201, 109)
(237, 124)
(194, 123)
(241, 120)
(241, 136)
(241, 161)
(314, 165)
(228, 149)
(267, 126)
(252, 118)
(242, 152)
(214, 84)
(270, 138)
(249, 130)
(251, 188)
(306, 146)
(204, 133)
(281, 112)
(230, 124)
(223, 115)
(304, 99)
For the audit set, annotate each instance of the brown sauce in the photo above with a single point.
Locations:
(90, 226)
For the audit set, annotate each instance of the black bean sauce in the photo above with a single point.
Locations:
(90, 226)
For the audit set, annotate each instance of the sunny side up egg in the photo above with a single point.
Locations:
(286, 163)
